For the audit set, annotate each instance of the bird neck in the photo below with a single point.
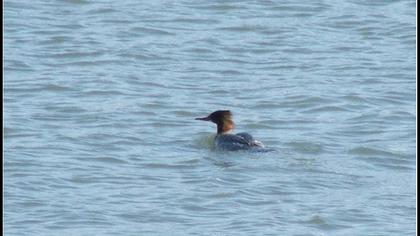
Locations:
(224, 126)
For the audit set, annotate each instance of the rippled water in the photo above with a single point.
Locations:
(100, 99)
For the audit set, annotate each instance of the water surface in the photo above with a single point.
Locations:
(100, 99)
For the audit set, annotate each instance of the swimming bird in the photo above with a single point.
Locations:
(226, 141)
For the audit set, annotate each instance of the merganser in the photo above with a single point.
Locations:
(226, 141)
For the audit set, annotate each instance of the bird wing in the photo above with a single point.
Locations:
(232, 142)
(250, 139)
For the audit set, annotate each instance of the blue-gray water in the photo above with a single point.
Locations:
(100, 99)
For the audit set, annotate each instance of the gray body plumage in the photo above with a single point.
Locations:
(234, 142)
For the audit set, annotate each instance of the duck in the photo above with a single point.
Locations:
(224, 139)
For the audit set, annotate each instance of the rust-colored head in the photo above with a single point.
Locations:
(223, 119)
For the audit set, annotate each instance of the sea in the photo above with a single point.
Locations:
(100, 99)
